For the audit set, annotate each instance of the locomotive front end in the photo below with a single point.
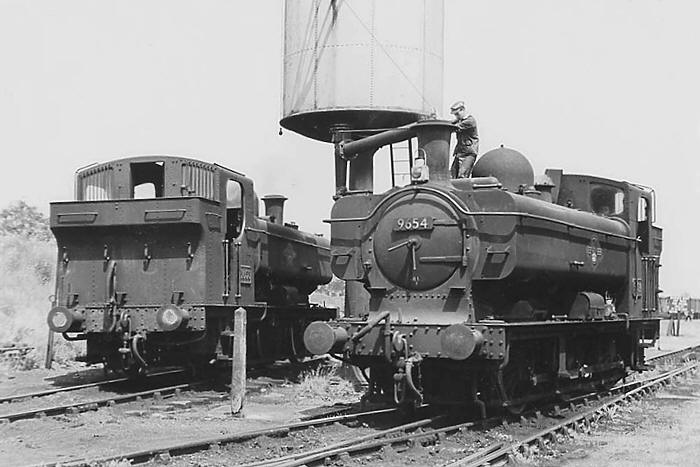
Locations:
(416, 274)
(408, 257)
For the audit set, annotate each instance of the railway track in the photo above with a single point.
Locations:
(158, 392)
(77, 387)
(577, 422)
(426, 431)
(166, 451)
(94, 404)
(125, 380)
(686, 351)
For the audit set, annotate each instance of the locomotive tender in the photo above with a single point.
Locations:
(157, 252)
(491, 291)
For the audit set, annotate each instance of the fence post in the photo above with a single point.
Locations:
(49, 351)
(238, 373)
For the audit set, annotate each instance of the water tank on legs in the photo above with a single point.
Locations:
(361, 64)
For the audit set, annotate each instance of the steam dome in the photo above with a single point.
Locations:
(509, 166)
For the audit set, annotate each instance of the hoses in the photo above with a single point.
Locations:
(402, 383)
(416, 359)
(404, 379)
(135, 350)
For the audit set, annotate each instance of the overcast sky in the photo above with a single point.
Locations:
(609, 88)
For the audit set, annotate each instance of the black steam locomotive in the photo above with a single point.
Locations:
(157, 253)
(492, 291)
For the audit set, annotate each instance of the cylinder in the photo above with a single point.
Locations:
(366, 64)
(274, 208)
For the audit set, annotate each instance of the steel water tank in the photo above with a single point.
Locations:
(361, 64)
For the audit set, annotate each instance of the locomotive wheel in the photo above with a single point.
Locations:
(512, 390)
(515, 389)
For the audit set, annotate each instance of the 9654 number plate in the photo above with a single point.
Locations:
(404, 224)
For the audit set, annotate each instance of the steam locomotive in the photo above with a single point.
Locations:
(157, 252)
(493, 291)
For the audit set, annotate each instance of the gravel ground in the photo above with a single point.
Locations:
(149, 424)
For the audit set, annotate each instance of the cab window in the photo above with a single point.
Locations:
(645, 208)
(607, 200)
(642, 210)
(147, 180)
(234, 208)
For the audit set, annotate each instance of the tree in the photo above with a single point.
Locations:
(24, 220)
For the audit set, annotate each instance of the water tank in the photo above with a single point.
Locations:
(364, 64)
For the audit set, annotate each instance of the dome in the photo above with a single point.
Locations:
(510, 167)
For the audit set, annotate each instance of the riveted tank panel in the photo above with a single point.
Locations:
(366, 64)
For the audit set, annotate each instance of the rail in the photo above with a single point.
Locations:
(29, 395)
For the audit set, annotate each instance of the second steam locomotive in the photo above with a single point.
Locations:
(157, 252)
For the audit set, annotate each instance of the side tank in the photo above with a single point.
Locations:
(291, 257)
(291, 263)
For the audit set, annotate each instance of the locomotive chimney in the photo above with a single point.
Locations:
(274, 208)
(434, 146)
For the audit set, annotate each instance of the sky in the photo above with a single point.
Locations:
(608, 88)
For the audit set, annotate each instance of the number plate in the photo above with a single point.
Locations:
(246, 275)
(406, 224)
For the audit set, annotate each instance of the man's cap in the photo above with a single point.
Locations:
(456, 106)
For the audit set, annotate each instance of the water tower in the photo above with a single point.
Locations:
(355, 68)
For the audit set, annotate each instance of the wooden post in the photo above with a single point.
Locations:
(49, 351)
(238, 373)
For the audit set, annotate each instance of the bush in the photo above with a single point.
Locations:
(27, 281)
(323, 384)
(25, 221)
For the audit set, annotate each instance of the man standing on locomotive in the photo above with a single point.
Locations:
(467, 141)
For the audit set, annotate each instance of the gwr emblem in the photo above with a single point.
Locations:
(594, 252)
(289, 255)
